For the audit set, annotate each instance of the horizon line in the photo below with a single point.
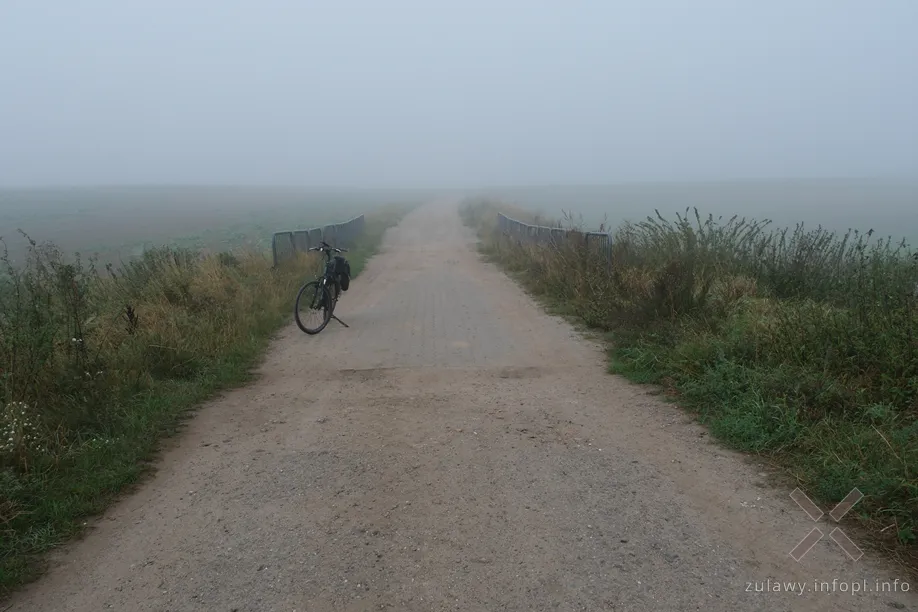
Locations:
(552, 185)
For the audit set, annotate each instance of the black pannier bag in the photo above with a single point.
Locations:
(343, 270)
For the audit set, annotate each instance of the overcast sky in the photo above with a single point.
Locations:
(461, 93)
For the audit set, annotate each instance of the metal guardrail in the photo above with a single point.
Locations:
(538, 234)
(285, 245)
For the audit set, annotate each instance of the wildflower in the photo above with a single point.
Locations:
(18, 430)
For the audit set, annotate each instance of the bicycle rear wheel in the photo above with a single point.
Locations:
(313, 308)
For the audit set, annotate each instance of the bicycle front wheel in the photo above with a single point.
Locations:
(313, 309)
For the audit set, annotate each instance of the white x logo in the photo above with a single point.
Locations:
(837, 535)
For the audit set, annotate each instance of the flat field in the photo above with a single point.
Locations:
(889, 207)
(120, 222)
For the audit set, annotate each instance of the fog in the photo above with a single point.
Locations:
(473, 93)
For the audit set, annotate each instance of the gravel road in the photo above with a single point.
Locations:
(455, 449)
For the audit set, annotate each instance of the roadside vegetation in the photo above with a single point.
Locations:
(800, 346)
(97, 366)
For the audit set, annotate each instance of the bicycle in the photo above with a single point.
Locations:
(323, 293)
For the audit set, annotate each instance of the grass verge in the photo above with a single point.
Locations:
(96, 369)
(800, 347)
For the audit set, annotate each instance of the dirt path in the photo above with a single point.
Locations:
(455, 449)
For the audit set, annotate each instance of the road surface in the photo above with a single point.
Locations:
(455, 449)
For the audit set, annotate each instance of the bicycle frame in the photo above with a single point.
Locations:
(329, 277)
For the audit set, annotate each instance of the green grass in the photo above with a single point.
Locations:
(96, 369)
(798, 346)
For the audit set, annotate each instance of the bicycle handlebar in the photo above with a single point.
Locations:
(327, 247)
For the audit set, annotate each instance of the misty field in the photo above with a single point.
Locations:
(96, 368)
(886, 206)
(799, 346)
(118, 223)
